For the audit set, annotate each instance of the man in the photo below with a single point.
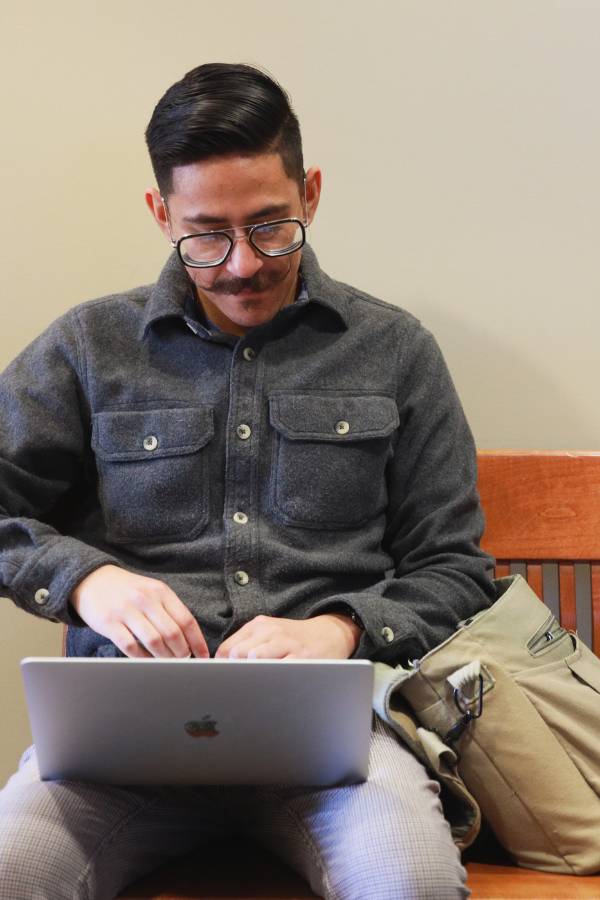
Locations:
(245, 460)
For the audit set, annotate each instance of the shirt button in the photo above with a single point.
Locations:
(241, 578)
(150, 442)
(240, 517)
(387, 634)
(248, 353)
(41, 596)
(342, 427)
(244, 432)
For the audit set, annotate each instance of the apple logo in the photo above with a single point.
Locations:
(205, 727)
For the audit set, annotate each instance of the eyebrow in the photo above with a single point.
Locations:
(273, 209)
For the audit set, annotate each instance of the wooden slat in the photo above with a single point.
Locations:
(502, 569)
(535, 579)
(567, 599)
(595, 588)
(542, 506)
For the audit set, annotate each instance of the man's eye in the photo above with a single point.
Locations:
(215, 238)
(270, 231)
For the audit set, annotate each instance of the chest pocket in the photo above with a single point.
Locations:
(329, 458)
(153, 472)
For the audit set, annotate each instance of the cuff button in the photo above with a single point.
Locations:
(41, 596)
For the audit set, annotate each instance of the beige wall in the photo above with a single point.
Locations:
(459, 142)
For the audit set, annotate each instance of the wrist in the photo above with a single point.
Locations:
(76, 593)
(351, 627)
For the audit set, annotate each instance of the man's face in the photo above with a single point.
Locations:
(248, 289)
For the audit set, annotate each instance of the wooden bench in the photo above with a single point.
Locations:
(543, 515)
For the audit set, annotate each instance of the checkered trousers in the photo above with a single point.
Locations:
(385, 839)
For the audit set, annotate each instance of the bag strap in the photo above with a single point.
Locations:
(464, 814)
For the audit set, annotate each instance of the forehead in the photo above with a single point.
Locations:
(231, 188)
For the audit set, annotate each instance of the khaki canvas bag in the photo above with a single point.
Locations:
(507, 714)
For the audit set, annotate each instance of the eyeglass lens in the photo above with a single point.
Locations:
(272, 239)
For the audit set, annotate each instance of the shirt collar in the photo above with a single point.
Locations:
(170, 295)
(167, 296)
(321, 288)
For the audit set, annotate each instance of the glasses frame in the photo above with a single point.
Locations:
(176, 244)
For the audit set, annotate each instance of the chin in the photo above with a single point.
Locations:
(254, 312)
(253, 321)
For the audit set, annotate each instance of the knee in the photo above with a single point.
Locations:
(27, 873)
(36, 863)
(421, 869)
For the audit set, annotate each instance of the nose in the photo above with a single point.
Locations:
(244, 260)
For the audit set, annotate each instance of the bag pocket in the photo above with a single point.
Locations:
(329, 457)
(566, 695)
(153, 473)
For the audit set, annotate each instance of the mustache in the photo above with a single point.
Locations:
(260, 281)
(237, 285)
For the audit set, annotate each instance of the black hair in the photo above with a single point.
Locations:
(220, 109)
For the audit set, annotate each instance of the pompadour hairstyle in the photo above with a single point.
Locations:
(220, 109)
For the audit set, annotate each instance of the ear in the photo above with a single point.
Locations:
(313, 192)
(156, 205)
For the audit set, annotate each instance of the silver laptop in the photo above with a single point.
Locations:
(189, 721)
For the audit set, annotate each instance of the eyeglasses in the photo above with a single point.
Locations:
(211, 248)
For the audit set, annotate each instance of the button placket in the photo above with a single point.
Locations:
(241, 483)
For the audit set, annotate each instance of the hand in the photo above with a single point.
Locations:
(142, 616)
(329, 636)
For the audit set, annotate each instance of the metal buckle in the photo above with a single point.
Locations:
(467, 713)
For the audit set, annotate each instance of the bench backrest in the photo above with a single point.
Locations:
(544, 507)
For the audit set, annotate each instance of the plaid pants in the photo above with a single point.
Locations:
(385, 839)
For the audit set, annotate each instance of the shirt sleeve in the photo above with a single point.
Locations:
(43, 452)
(434, 519)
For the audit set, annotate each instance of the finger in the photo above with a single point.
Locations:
(259, 647)
(268, 650)
(258, 630)
(192, 632)
(171, 634)
(143, 629)
(127, 642)
(300, 653)
(236, 646)
(242, 634)
(240, 650)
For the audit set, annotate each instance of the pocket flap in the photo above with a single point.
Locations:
(333, 417)
(151, 433)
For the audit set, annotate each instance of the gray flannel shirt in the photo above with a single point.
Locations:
(320, 462)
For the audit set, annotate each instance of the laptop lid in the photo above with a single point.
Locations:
(191, 721)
